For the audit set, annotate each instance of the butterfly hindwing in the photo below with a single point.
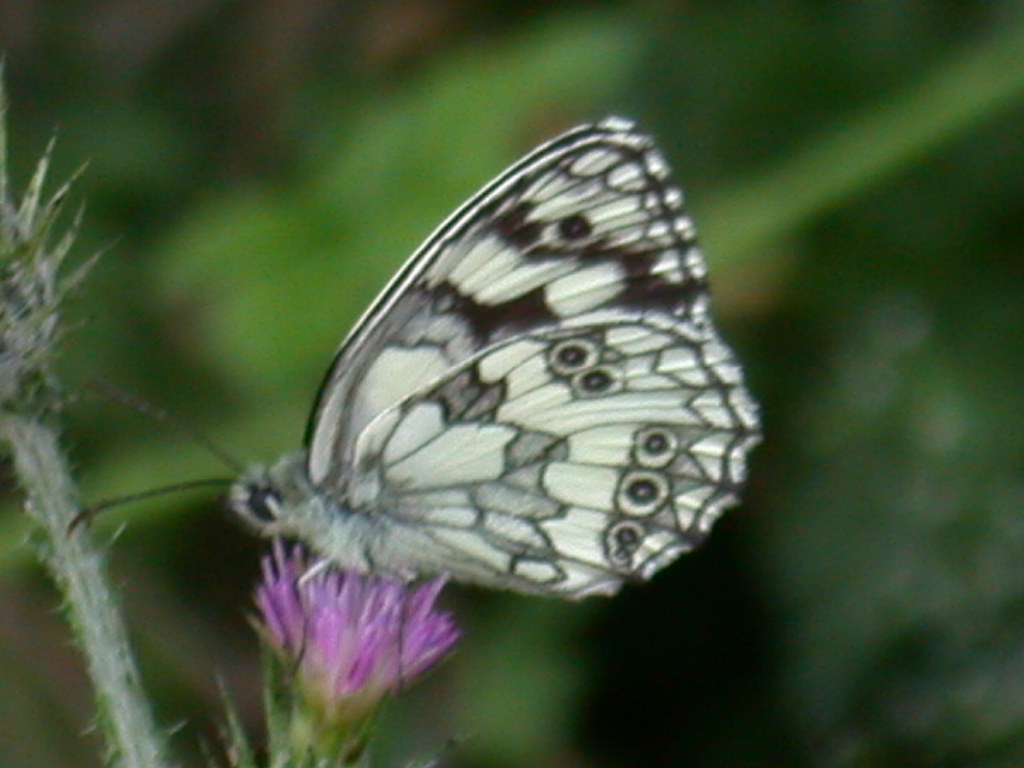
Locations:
(566, 460)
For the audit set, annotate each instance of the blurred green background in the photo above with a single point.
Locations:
(255, 171)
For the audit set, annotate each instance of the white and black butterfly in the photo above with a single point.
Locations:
(538, 400)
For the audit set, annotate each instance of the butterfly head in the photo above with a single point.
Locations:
(267, 497)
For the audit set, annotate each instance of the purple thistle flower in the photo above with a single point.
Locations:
(350, 639)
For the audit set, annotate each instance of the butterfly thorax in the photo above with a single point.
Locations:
(280, 500)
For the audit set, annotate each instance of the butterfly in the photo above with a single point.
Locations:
(538, 400)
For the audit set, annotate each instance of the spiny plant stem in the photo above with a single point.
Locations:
(132, 738)
(33, 284)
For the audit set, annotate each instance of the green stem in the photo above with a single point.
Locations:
(77, 567)
(972, 85)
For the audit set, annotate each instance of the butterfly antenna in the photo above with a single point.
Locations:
(167, 419)
(87, 514)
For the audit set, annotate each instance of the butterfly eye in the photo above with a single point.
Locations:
(642, 493)
(655, 447)
(263, 504)
(573, 355)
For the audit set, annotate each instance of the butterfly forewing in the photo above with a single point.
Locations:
(586, 221)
